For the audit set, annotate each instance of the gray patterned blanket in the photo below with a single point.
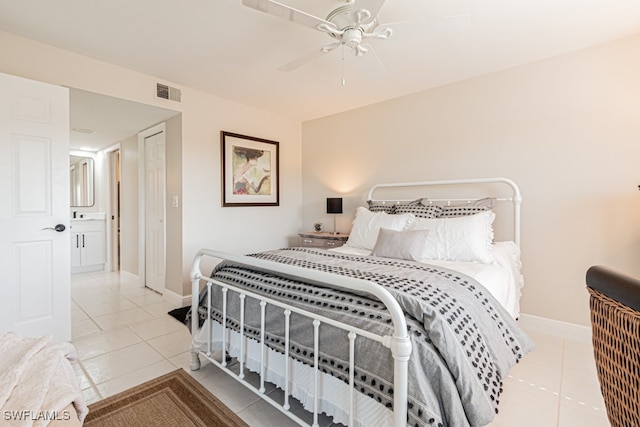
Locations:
(463, 341)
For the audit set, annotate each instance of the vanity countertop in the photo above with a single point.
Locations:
(90, 216)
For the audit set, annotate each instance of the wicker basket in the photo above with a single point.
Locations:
(616, 347)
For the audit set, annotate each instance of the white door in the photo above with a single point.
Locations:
(154, 146)
(35, 292)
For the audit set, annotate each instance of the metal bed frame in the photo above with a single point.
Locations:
(398, 343)
(515, 198)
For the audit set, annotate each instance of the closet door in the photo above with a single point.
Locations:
(155, 210)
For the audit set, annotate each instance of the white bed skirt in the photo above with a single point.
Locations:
(333, 396)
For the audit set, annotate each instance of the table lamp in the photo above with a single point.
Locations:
(334, 206)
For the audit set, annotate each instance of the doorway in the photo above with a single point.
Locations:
(113, 163)
(110, 127)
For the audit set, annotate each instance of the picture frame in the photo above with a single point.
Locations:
(250, 170)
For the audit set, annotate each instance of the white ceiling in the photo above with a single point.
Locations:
(99, 121)
(227, 49)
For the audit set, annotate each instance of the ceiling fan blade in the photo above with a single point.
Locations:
(367, 64)
(314, 54)
(451, 8)
(373, 6)
(374, 68)
(455, 24)
(286, 12)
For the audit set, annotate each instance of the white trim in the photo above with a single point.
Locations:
(176, 299)
(554, 327)
(109, 231)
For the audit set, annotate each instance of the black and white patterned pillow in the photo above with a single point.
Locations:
(380, 206)
(472, 207)
(389, 206)
(419, 210)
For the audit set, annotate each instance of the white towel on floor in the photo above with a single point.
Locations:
(37, 380)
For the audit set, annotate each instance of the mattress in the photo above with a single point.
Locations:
(502, 278)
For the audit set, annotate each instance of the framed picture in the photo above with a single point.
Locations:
(250, 175)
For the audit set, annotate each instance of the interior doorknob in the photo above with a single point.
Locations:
(59, 228)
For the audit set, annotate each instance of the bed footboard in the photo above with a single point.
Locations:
(399, 343)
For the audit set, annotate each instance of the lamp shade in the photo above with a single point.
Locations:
(334, 205)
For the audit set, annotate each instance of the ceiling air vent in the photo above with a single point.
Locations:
(168, 92)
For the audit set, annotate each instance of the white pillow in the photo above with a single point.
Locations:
(367, 224)
(465, 238)
(408, 244)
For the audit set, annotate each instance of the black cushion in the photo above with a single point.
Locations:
(620, 287)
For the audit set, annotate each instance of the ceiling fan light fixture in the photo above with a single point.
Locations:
(330, 29)
(362, 15)
(361, 50)
(381, 33)
(352, 37)
(349, 17)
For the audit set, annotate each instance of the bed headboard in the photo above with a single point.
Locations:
(503, 190)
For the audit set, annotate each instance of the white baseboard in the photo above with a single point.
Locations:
(555, 327)
(176, 299)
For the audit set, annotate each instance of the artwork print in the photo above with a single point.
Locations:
(249, 171)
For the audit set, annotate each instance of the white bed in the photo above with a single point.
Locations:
(497, 269)
(503, 277)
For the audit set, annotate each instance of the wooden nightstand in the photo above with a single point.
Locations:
(322, 240)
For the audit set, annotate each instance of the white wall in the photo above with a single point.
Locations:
(205, 222)
(174, 185)
(566, 129)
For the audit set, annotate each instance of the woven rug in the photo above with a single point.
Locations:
(174, 399)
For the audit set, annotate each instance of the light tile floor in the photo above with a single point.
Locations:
(124, 337)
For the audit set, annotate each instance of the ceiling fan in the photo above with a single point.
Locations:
(348, 25)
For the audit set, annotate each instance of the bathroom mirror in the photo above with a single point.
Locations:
(81, 177)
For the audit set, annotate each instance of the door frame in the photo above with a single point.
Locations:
(142, 189)
(112, 246)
